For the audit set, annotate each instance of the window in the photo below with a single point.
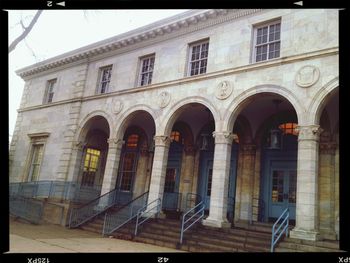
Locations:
(37, 157)
(198, 58)
(267, 41)
(91, 162)
(50, 89)
(105, 78)
(288, 128)
(146, 71)
(175, 136)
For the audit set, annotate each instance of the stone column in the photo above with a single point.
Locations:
(247, 187)
(141, 171)
(112, 164)
(307, 184)
(221, 171)
(327, 190)
(187, 170)
(160, 159)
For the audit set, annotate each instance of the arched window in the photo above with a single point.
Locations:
(288, 128)
(175, 136)
(91, 162)
(128, 167)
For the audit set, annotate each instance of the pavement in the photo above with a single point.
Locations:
(47, 238)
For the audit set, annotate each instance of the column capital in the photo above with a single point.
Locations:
(309, 132)
(115, 143)
(224, 137)
(162, 140)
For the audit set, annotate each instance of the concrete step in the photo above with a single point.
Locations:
(330, 244)
(304, 247)
(157, 242)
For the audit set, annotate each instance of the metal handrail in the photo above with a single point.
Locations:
(200, 211)
(277, 231)
(115, 220)
(85, 212)
(147, 209)
(189, 199)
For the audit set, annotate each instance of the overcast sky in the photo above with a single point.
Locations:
(57, 32)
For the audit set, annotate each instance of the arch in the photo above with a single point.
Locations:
(238, 103)
(121, 125)
(172, 114)
(320, 100)
(82, 131)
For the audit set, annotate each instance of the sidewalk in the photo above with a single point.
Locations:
(46, 238)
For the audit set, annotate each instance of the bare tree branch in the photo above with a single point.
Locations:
(25, 32)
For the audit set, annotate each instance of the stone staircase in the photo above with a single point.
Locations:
(298, 245)
(242, 237)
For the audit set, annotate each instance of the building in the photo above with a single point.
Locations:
(237, 106)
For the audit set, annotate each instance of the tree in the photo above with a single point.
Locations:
(25, 32)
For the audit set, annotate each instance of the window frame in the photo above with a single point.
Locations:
(149, 72)
(100, 79)
(35, 140)
(256, 27)
(189, 58)
(50, 91)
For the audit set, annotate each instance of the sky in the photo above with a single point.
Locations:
(60, 31)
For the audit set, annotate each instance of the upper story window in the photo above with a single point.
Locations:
(50, 90)
(198, 59)
(104, 80)
(146, 70)
(289, 128)
(267, 41)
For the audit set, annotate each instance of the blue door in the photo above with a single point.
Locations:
(283, 179)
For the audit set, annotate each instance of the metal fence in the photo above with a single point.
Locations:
(26, 208)
(118, 218)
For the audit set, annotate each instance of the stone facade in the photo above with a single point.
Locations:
(234, 89)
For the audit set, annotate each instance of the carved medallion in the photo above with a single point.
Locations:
(224, 90)
(164, 99)
(117, 106)
(307, 76)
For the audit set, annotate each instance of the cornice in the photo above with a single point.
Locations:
(164, 29)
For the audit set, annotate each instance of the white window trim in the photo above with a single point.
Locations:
(190, 45)
(141, 59)
(255, 32)
(46, 95)
(35, 139)
(99, 82)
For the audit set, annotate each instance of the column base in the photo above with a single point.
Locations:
(216, 223)
(304, 234)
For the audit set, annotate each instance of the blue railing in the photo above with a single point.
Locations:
(147, 211)
(192, 200)
(116, 219)
(83, 213)
(283, 224)
(194, 215)
(55, 189)
(26, 208)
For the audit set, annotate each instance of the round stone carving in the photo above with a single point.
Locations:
(164, 99)
(224, 90)
(117, 106)
(307, 76)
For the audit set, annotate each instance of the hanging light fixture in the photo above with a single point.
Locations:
(275, 134)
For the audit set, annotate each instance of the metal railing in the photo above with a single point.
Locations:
(26, 208)
(95, 207)
(116, 219)
(147, 211)
(55, 189)
(198, 211)
(192, 200)
(282, 221)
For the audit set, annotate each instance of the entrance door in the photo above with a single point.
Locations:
(171, 189)
(283, 191)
